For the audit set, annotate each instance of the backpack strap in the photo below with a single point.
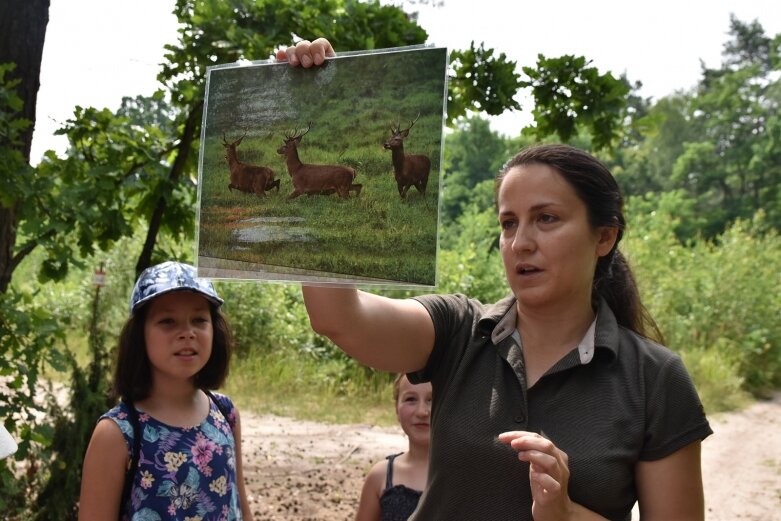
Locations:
(220, 407)
(134, 456)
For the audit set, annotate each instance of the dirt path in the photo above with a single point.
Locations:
(741, 464)
(307, 471)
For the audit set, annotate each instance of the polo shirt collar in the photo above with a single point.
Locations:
(498, 321)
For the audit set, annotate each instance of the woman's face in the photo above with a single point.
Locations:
(413, 408)
(548, 246)
(178, 334)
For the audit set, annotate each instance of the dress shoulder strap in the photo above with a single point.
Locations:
(389, 471)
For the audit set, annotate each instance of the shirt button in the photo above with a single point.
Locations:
(520, 418)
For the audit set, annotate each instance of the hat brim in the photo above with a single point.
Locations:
(216, 301)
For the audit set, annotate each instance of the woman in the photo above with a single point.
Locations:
(552, 403)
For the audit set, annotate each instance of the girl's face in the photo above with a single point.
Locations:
(178, 334)
(413, 409)
(549, 248)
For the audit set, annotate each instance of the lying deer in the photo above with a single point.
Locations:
(244, 177)
(408, 169)
(315, 179)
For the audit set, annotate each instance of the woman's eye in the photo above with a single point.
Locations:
(547, 218)
(506, 224)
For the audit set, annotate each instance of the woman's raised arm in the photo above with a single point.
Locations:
(394, 335)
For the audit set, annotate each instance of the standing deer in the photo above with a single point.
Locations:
(245, 177)
(315, 179)
(408, 169)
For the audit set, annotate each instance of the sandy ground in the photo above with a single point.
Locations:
(741, 464)
(307, 471)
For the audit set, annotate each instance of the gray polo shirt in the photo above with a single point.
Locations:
(612, 401)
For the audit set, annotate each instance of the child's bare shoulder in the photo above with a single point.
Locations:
(380, 469)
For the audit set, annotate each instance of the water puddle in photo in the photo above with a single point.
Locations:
(272, 229)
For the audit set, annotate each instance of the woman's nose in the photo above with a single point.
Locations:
(523, 240)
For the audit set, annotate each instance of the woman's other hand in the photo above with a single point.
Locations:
(548, 474)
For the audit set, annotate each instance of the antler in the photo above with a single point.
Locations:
(237, 142)
(397, 130)
(296, 135)
(413, 122)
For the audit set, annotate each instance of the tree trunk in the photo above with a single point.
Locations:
(183, 152)
(22, 33)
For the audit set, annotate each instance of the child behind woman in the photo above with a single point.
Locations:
(393, 486)
(184, 445)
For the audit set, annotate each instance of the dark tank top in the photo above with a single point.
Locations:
(399, 502)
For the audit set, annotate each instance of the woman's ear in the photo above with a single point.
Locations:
(607, 236)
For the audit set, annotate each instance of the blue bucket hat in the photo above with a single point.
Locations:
(167, 277)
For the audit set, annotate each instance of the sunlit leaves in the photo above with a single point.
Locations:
(569, 94)
(481, 81)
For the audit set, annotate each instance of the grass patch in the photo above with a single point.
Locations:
(718, 380)
(301, 387)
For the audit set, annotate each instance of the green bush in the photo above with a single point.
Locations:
(715, 300)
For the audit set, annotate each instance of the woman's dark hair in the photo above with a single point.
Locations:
(132, 373)
(597, 188)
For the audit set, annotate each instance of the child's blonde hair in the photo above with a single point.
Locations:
(397, 386)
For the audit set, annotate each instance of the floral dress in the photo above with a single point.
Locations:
(184, 474)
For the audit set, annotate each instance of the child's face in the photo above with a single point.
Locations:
(413, 409)
(178, 334)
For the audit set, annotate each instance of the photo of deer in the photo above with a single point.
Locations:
(408, 169)
(244, 177)
(323, 133)
(315, 179)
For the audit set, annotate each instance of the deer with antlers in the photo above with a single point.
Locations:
(408, 169)
(315, 179)
(248, 178)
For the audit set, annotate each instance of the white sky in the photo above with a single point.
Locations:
(98, 51)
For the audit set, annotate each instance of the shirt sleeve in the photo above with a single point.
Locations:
(674, 413)
(449, 314)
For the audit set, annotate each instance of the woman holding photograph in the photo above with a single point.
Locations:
(554, 403)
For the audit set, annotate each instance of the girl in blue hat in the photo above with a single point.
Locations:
(171, 449)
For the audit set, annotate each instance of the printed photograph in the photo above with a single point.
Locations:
(328, 174)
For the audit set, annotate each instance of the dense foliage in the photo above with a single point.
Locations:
(719, 142)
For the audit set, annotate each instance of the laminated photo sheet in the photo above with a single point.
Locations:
(328, 175)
